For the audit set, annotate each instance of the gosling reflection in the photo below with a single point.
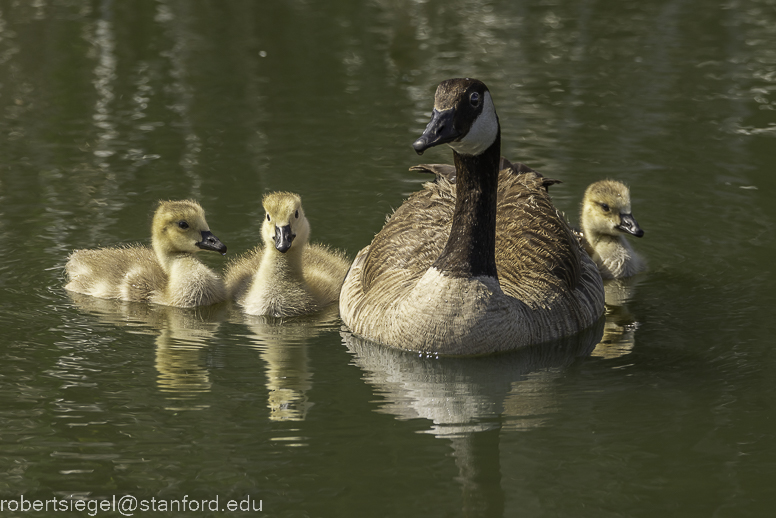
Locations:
(282, 344)
(182, 336)
(620, 328)
(181, 353)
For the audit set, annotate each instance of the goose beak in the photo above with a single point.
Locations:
(439, 131)
(211, 242)
(630, 225)
(283, 238)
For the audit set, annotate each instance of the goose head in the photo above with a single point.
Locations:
(284, 223)
(180, 227)
(606, 210)
(464, 117)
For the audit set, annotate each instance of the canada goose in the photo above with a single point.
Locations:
(606, 217)
(287, 276)
(167, 273)
(433, 279)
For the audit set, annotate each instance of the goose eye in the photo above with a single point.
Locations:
(183, 225)
(605, 207)
(296, 214)
(268, 218)
(474, 99)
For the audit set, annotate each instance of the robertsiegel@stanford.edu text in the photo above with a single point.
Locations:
(127, 505)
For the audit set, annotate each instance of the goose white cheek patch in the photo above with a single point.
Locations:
(482, 133)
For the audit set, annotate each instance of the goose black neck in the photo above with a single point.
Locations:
(471, 248)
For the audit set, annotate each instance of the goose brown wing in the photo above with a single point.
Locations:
(536, 251)
(412, 238)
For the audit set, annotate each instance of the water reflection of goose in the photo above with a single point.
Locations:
(182, 336)
(470, 401)
(282, 344)
(463, 395)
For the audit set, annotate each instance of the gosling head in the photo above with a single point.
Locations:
(284, 223)
(463, 117)
(606, 210)
(180, 226)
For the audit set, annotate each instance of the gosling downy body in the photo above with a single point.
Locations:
(606, 217)
(481, 265)
(287, 276)
(168, 273)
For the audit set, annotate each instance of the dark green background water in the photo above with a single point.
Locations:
(107, 107)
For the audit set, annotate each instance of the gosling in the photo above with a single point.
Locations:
(168, 273)
(605, 218)
(287, 276)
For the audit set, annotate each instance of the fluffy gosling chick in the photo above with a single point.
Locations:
(287, 276)
(168, 273)
(606, 217)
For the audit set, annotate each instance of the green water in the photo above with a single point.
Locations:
(107, 107)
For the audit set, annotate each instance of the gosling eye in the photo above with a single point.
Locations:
(268, 218)
(474, 99)
(183, 225)
(296, 214)
(605, 207)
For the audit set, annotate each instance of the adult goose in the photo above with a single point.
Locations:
(606, 217)
(287, 276)
(168, 273)
(456, 272)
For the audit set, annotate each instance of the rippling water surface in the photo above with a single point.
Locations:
(666, 409)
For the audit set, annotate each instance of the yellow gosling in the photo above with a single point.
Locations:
(605, 219)
(286, 276)
(167, 273)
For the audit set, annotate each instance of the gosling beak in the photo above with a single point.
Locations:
(440, 130)
(629, 225)
(283, 238)
(211, 242)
